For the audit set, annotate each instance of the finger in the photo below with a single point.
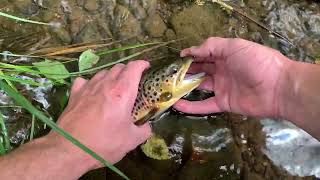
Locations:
(139, 135)
(208, 68)
(197, 51)
(207, 84)
(198, 107)
(116, 70)
(99, 76)
(131, 76)
(78, 84)
(213, 48)
(143, 132)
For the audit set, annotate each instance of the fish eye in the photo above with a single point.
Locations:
(166, 96)
(173, 70)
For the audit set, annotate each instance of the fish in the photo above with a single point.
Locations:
(162, 87)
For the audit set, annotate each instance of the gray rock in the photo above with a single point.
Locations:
(170, 34)
(155, 26)
(26, 7)
(150, 6)
(88, 34)
(77, 20)
(197, 23)
(139, 12)
(63, 35)
(125, 25)
(91, 5)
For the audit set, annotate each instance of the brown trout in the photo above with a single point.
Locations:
(161, 87)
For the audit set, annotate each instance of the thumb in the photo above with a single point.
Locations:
(198, 107)
(143, 132)
(78, 84)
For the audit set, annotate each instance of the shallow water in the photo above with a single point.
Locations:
(220, 146)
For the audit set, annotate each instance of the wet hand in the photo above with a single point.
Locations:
(99, 114)
(246, 77)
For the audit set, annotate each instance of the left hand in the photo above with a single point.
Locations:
(99, 114)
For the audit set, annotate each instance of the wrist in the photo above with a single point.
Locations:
(286, 89)
(69, 156)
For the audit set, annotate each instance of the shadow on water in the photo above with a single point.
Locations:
(219, 146)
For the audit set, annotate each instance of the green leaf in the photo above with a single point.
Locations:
(87, 59)
(52, 70)
(21, 100)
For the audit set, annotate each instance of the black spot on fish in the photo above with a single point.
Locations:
(157, 84)
(155, 93)
(157, 79)
(149, 88)
(153, 101)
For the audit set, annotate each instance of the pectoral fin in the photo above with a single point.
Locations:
(147, 117)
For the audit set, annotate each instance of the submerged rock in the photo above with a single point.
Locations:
(155, 26)
(27, 7)
(197, 23)
(125, 24)
(88, 34)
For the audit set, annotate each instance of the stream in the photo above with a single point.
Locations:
(217, 146)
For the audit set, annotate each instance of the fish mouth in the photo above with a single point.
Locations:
(186, 84)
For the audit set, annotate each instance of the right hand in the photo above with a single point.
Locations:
(246, 77)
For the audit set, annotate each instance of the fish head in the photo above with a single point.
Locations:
(160, 88)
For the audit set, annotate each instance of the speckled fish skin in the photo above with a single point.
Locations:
(161, 87)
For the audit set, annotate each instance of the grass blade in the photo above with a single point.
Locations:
(2, 149)
(32, 127)
(23, 81)
(103, 53)
(21, 100)
(8, 81)
(18, 68)
(22, 19)
(7, 145)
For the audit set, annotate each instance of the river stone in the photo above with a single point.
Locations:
(197, 23)
(139, 12)
(26, 7)
(170, 34)
(125, 24)
(77, 20)
(155, 26)
(91, 5)
(150, 6)
(88, 34)
(63, 35)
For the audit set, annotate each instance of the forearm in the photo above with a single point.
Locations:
(41, 159)
(300, 102)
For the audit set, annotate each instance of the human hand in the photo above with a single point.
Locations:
(99, 114)
(246, 77)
